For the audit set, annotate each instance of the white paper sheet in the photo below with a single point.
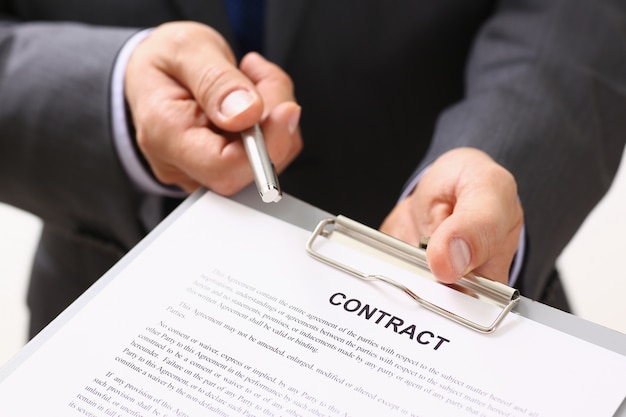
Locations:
(226, 314)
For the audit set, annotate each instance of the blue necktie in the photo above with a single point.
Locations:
(246, 18)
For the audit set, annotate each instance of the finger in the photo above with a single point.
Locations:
(282, 135)
(221, 160)
(282, 113)
(181, 149)
(274, 85)
(419, 214)
(481, 235)
(201, 60)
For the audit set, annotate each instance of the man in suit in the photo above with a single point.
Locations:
(485, 105)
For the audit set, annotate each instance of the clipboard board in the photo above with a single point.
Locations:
(298, 214)
(353, 233)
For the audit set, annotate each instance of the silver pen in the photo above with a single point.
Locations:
(262, 167)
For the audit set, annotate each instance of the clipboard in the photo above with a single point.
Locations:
(353, 233)
(304, 216)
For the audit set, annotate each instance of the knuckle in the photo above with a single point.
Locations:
(184, 34)
(210, 80)
(225, 185)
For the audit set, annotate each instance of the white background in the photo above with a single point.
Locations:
(590, 266)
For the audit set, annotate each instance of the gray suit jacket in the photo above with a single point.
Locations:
(385, 87)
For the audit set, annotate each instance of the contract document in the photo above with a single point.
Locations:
(224, 313)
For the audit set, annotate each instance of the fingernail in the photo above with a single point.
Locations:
(294, 120)
(460, 256)
(236, 102)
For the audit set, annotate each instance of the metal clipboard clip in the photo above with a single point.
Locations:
(475, 286)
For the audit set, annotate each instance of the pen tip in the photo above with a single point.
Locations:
(271, 195)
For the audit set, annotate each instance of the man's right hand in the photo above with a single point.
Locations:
(188, 99)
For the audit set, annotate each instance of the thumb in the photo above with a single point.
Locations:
(451, 255)
(199, 58)
(465, 242)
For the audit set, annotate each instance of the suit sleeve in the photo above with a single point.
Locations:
(545, 96)
(57, 157)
